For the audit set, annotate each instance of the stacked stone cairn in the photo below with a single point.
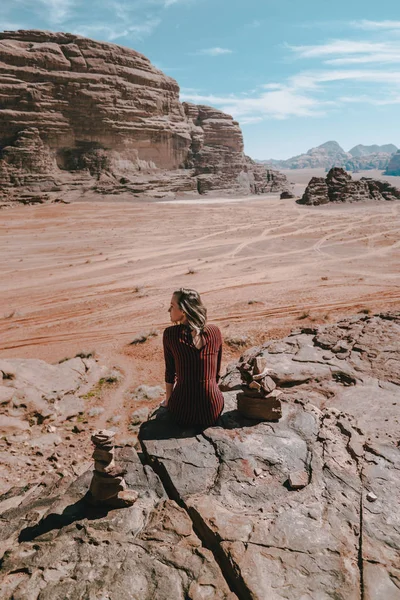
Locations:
(259, 399)
(108, 486)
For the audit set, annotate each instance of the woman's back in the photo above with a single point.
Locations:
(196, 398)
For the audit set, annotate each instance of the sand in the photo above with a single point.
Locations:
(93, 275)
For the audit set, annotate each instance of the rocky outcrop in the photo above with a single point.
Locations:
(76, 551)
(40, 404)
(306, 507)
(331, 154)
(86, 115)
(338, 186)
(393, 167)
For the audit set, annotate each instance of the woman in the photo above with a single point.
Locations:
(192, 352)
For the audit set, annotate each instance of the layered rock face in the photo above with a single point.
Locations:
(306, 507)
(103, 113)
(393, 167)
(338, 186)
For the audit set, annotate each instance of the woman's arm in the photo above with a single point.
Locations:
(219, 362)
(168, 390)
(169, 368)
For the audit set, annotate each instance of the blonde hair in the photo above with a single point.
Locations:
(190, 303)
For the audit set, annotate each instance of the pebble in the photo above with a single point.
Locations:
(78, 428)
(371, 497)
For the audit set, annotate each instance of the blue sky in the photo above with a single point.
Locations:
(295, 74)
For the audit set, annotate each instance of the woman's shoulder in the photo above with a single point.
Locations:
(213, 329)
(171, 330)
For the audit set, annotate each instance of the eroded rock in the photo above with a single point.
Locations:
(338, 186)
(56, 546)
(84, 115)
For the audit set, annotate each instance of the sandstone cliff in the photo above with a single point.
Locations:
(80, 114)
(217, 514)
(338, 186)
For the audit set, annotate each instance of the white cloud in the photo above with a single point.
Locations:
(58, 10)
(306, 94)
(10, 26)
(340, 47)
(55, 12)
(250, 120)
(348, 52)
(279, 104)
(214, 51)
(114, 31)
(382, 58)
(376, 25)
(370, 100)
(255, 24)
(310, 80)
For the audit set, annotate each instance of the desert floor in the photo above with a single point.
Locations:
(94, 275)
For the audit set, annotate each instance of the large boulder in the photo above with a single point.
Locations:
(86, 115)
(338, 186)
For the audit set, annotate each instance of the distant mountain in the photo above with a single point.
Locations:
(378, 160)
(325, 155)
(331, 154)
(393, 167)
(362, 150)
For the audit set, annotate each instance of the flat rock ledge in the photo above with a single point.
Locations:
(304, 508)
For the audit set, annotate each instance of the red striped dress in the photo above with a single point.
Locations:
(196, 398)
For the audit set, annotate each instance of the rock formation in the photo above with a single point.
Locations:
(393, 167)
(306, 507)
(258, 400)
(331, 154)
(108, 486)
(338, 186)
(76, 114)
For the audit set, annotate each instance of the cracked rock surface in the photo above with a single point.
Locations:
(38, 402)
(303, 508)
(325, 540)
(55, 547)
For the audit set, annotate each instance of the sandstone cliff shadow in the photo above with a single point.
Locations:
(73, 512)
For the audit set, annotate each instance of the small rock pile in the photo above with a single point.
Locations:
(108, 485)
(259, 398)
(338, 186)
